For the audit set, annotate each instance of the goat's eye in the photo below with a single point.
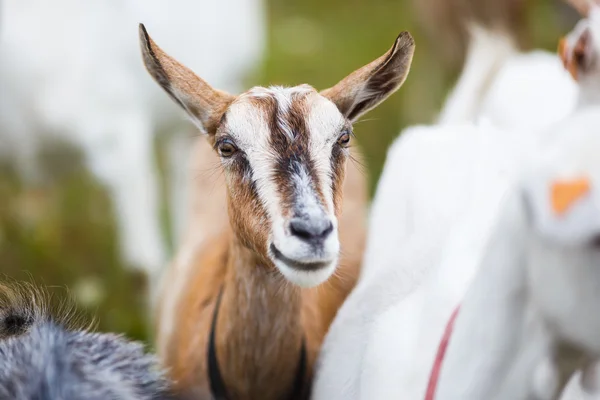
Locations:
(344, 139)
(226, 148)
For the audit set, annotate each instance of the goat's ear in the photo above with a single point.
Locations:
(368, 86)
(204, 104)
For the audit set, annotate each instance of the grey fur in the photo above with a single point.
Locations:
(42, 359)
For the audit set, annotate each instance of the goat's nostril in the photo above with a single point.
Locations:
(328, 229)
(310, 230)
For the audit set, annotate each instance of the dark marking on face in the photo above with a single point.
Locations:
(338, 172)
(294, 172)
(290, 140)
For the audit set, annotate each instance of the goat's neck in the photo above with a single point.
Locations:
(259, 331)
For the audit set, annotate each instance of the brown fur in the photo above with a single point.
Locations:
(184, 351)
(262, 317)
(192, 93)
(380, 78)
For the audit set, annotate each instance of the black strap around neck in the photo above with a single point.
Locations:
(217, 386)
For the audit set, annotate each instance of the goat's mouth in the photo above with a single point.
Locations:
(297, 264)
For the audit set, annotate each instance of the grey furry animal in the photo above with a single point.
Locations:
(42, 358)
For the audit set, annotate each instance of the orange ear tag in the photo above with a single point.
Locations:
(566, 193)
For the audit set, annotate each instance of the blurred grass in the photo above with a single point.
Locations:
(62, 234)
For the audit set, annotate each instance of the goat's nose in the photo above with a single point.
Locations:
(311, 230)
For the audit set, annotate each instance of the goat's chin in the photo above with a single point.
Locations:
(306, 278)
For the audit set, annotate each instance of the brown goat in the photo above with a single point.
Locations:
(239, 306)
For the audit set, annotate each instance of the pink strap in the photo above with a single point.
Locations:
(437, 365)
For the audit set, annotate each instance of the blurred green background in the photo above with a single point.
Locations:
(63, 234)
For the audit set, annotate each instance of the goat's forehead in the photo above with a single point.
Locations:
(290, 111)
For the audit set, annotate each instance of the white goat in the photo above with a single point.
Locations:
(73, 68)
(530, 317)
(436, 202)
(535, 293)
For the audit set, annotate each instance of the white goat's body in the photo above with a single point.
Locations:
(536, 284)
(530, 318)
(407, 299)
(436, 204)
(73, 68)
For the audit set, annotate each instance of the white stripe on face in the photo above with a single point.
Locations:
(324, 123)
(249, 124)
